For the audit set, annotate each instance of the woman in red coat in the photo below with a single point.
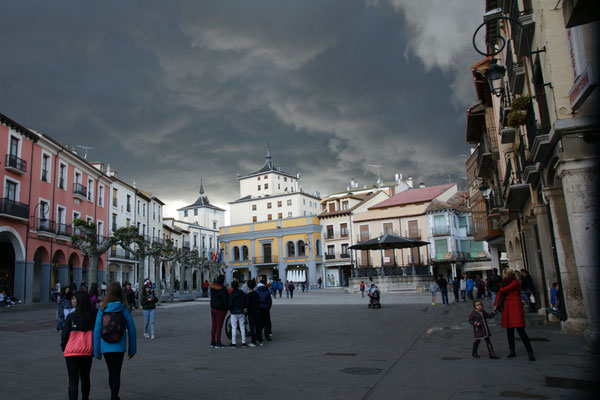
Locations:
(508, 301)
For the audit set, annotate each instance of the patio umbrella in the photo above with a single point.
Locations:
(387, 242)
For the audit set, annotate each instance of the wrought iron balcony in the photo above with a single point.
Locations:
(441, 231)
(45, 226)
(16, 164)
(329, 256)
(414, 234)
(63, 230)
(79, 191)
(14, 209)
(266, 260)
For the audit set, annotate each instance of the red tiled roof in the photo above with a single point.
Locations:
(412, 196)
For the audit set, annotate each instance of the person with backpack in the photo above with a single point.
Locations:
(219, 302)
(149, 301)
(77, 345)
(292, 287)
(265, 307)
(110, 340)
(238, 302)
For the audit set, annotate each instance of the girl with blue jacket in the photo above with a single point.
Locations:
(114, 352)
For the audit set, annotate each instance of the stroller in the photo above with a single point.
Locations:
(374, 298)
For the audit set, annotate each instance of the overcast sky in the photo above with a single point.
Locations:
(167, 92)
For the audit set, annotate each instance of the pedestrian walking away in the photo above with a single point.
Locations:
(470, 285)
(463, 289)
(238, 302)
(362, 288)
(292, 288)
(265, 307)
(148, 302)
(78, 346)
(254, 315)
(455, 288)
(110, 338)
(64, 306)
(509, 303)
(219, 302)
(433, 287)
(103, 289)
(481, 330)
(443, 284)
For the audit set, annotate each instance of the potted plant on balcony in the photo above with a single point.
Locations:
(520, 103)
(518, 113)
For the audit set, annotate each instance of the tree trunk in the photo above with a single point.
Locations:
(141, 268)
(171, 281)
(93, 278)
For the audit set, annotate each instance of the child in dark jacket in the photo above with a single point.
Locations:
(478, 318)
(238, 302)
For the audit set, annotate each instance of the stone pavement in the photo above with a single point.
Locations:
(326, 344)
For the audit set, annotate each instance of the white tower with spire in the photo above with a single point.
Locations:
(269, 194)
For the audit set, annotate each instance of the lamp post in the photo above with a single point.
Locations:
(495, 72)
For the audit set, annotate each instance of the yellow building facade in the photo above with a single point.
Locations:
(287, 249)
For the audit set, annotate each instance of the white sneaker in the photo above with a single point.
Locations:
(152, 337)
(146, 335)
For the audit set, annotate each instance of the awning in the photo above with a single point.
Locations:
(477, 267)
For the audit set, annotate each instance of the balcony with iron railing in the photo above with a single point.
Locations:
(63, 230)
(414, 234)
(13, 209)
(79, 191)
(266, 260)
(186, 245)
(45, 227)
(329, 235)
(15, 164)
(515, 72)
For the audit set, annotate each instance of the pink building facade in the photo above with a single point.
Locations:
(45, 186)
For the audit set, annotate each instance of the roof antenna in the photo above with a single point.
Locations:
(86, 148)
(268, 151)
(201, 187)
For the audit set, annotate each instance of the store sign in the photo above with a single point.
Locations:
(447, 256)
(386, 259)
(582, 88)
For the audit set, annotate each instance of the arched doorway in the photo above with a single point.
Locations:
(195, 280)
(40, 257)
(74, 270)
(12, 251)
(59, 261)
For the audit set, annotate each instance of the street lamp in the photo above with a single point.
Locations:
(495, 77)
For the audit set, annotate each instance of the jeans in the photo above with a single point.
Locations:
(494, 294)
(114, 362)
(362, 292)
(455, 290)
(255, 327)
(61, 321)
(525, 296)
(444, 292)
(470, 293)
(217, 318)
(149, 319)
(238, 320)
(265, 318)
(79, 367)
(463, 295)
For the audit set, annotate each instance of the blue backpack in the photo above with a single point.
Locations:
(264, 296)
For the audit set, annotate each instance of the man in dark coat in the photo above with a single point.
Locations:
(219, 303)
(493, 283)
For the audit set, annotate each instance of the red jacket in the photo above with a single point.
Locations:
(513, 315)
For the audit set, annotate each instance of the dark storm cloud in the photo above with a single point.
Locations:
(168, 92)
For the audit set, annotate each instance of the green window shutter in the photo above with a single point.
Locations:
(441, 247)
(462, 221)
(476, 248)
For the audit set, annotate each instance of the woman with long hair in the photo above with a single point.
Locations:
(508, 301)
(113, 348)
(77, 345)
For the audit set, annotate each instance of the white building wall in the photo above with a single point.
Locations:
(301, 205)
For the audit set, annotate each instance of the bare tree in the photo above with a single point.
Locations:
(91, 244)
(131, 241)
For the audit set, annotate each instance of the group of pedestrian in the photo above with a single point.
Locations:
(107, 332)
(254, 305)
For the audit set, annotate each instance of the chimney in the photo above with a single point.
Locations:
(396, 177)
(409, 182)
(352, 183)
(422, 185)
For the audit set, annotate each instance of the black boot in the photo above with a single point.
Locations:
(475, 346)
(527, 343)
(491, 351)
(511, 354)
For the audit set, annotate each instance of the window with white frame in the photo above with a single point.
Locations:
(101, 196)
(11, 190)
(90, 189)
(62, 176)
(45, 173)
